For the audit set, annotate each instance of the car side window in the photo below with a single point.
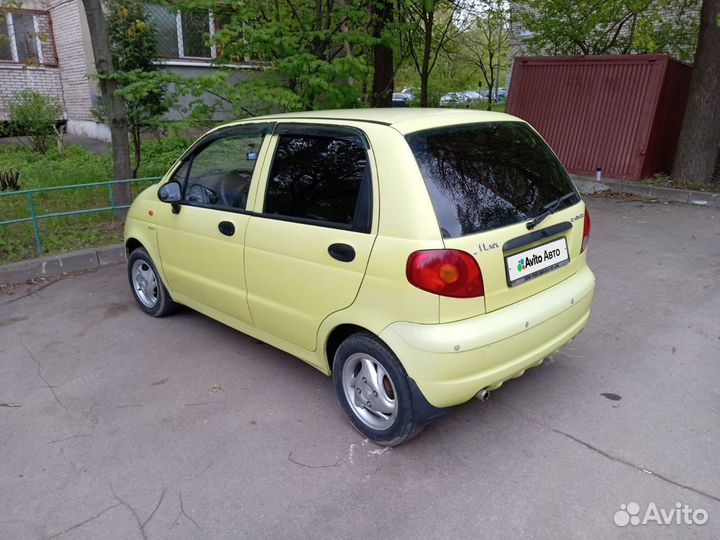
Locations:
(321, 178)
(221, 172)
(180, 174)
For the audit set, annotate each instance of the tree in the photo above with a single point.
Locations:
(700, 134)
(383, 55)
(485, 44)
(114, 105)
(142, 86)
(609, 26)
(430, 26)
(147, 90)
(307, 53)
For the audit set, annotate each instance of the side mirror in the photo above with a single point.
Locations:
(170, 192)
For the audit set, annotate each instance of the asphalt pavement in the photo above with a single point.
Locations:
(117, 425)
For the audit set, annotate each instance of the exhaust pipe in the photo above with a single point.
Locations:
(483, 395)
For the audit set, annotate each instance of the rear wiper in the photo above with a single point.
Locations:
(549, 209)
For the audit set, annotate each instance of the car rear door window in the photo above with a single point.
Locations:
(322, 179)
(485, 176)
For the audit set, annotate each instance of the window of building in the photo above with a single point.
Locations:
(25, 38)
(5, 48)
(182, 34)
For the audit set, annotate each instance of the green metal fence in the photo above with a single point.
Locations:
(35, 218)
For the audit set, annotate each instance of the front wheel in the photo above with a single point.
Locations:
(373, 390)
(148, 290)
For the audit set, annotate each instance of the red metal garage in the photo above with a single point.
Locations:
(620, 113)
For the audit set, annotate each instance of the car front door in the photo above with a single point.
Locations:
(308, 244)
(201, 239)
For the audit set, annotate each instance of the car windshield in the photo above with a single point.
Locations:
(488, 175)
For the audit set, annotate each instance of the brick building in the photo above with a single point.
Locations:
(45, 46)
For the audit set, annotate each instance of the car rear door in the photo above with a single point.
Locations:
(309, 242)
(487, 182)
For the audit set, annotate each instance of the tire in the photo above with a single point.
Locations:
(147, 287)
(373, 390)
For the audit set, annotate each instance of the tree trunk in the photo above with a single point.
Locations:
(137, 150)
(491, 85)
(424, 78)
(114, 105)
(383, 73)
(427, 51)
(700, 133)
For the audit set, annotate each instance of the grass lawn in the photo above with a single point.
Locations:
(77, 166)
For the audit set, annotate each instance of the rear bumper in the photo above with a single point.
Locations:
(452, 362)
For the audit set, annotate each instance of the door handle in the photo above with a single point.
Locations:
(342, 252)
(227, 228)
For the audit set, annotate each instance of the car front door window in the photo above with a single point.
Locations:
(220, 174)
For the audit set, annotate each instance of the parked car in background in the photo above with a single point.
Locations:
(401, 100)
(419, 257)
(465, 97)
(451, 98)
(498, 95)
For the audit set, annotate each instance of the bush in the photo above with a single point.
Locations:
(35, 115)
(159, 155)
(9, 129)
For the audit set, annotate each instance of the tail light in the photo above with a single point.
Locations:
(586, 231)
(447, 272)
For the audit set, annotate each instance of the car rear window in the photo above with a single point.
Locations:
(485, 176)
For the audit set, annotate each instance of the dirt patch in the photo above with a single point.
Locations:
(116, 309)
(666, 181)
(619, 196)
(11, 292)
(12, 320)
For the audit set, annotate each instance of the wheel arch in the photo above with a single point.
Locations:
(343, 331)
(136, 236)
(336, 336)
(131, 244)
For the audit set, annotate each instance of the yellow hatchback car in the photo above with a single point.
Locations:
(421, 257)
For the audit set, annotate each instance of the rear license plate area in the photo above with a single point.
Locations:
(536, 261)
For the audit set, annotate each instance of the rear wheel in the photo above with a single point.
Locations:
(148, 290)
(373, 390)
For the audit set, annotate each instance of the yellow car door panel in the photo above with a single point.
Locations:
(202, 263)
(294, 282)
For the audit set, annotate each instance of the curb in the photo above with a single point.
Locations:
(57, 265)
(587, 185)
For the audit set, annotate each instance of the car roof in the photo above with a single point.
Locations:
(404, 120)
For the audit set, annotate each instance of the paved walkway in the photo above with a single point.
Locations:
(110, 428)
